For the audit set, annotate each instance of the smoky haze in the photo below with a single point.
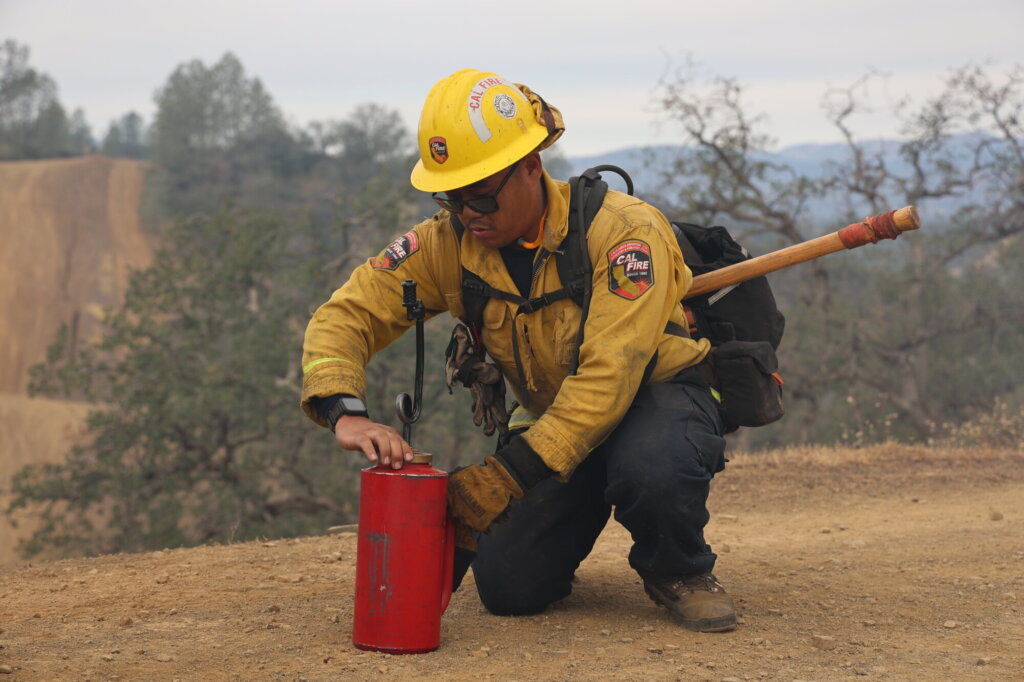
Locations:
(597, 63)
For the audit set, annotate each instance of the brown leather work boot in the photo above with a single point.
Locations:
(697, 603)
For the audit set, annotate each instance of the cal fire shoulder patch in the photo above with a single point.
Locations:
(397, 252)
(630, 271)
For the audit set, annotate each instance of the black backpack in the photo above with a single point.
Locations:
(742, 321)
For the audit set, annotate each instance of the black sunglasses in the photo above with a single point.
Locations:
(488, 204)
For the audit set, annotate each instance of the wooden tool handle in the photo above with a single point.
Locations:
(883, 226)
(906, 218)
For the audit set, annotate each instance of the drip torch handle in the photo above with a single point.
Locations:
(408, 408)
(413, 306)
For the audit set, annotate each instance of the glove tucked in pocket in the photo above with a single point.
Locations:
(464, 364)
(747, 379)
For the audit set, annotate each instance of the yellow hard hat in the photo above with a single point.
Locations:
(475, 123)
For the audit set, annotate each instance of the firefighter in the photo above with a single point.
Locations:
(634, 427)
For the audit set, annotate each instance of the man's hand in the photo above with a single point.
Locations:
(480, 493)
(379, 442)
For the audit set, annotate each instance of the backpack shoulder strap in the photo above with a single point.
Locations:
(476, 292)
(586, 196)
(586, 193)
(474, 295)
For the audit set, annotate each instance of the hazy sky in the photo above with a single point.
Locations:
(598, 61)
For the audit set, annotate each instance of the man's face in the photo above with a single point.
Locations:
(519, 204)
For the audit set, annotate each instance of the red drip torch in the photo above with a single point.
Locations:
(404, 558)
(406, 543)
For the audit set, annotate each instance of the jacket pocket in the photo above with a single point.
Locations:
(497, 332)
(564, 329)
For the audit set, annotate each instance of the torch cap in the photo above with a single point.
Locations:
(422, 457)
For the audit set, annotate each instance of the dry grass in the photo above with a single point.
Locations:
(883, 453)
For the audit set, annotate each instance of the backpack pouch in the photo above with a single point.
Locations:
(748, 383)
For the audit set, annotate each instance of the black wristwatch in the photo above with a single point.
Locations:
(344, 405)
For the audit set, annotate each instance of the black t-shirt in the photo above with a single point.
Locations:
(519, 263)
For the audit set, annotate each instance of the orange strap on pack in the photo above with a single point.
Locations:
(691, 320)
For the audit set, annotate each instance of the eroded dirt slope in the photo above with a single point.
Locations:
(891, 563)
(70, 235)
(32, 431)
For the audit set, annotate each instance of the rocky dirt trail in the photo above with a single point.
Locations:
(890, 563)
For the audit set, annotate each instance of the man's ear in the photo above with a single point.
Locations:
(532, 165)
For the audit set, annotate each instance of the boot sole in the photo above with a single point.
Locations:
(723, 624)
(720, 624)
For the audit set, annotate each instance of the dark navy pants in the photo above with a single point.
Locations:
(654, 470)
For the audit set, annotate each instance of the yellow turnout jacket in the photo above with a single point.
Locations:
(639, 280)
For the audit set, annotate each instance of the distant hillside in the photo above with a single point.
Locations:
(71, 235)
(810, 160)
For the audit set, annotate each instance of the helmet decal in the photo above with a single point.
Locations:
(439, 149)
(475, 100)
(505, 106)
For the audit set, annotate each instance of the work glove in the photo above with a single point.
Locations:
(464, 364)
(480, 494)
(476, 496)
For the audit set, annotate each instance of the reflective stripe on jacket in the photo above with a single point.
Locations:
(626, 324)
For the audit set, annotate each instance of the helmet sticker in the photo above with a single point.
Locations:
(630, 273)
(396, 252)
(505, 106)
(438, 149)
(475, 101)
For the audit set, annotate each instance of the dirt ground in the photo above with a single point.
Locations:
(891, 563)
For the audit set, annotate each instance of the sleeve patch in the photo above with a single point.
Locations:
(397, 252)
(630, 271)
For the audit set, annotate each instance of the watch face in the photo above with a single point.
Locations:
(351, 404)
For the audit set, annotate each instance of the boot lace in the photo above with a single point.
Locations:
(706, 582)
